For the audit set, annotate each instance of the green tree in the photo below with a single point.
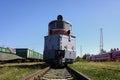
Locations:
(85, 55)
(78, 59)
(102, 51)
(111, 50)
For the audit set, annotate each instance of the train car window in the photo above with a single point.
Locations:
(59, 25)
(52, 26)
(67, 26)
(55, 24)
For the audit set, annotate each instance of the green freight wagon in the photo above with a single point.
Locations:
(28, 54)
(7, 50)
(4, 50)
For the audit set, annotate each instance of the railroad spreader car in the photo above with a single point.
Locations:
(59, 44)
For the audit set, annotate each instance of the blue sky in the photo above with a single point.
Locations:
(24, 23)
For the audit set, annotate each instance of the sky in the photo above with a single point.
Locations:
(24, 23)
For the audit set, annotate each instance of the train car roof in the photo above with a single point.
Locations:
(62, 20)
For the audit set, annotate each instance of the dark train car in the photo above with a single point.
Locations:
(102, 57)
(116, 56)
(109, 56)
(29, 54)
(59, 44)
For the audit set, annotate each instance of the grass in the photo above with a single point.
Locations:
(15, 72)
(99, 70)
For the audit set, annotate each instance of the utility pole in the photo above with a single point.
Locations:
(81, 51)
(101, 40)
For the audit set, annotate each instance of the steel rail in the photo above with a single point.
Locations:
(36, 75)
(77, 75)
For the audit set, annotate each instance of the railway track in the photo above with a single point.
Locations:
(49, 73)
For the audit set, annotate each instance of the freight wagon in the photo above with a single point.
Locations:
(7, 50)
(29, 54)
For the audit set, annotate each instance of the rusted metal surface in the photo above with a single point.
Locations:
(36, 75)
